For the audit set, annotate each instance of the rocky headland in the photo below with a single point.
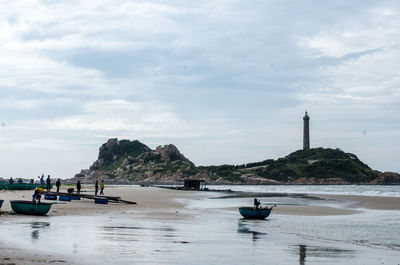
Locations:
(128, 162)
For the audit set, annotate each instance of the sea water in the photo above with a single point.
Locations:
(216, 234)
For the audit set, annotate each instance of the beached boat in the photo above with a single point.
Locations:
(66, 198)
(255, 213)
(50, 197)
(3, 185)
(44, 186)
(1, 203)
(20, 186)
(100, 200)
(31, 208)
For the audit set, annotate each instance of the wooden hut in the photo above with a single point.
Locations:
(192, 184)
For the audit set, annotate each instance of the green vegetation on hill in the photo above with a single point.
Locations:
(320, 163)
(317, 163)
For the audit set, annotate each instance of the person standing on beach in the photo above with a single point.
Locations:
(58, 184)
(101, 187)
(78, 187)
(48, 183)
(96, 187)
(42, 181)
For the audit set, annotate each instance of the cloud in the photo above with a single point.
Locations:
(220, 75)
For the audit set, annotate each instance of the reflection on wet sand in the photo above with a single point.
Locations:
(321, 252)
(244, 229)
(302, 254)
(36, 227)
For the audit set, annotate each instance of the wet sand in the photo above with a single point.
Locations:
(356, 203)
(368, 202)
(152, 203)
(160, 204)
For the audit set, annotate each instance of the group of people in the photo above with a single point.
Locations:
(97, 185)
(36, 195)
(11, 181)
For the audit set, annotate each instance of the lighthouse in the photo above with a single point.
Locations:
(306, 132)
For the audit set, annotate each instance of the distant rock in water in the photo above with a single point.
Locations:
(125, 161)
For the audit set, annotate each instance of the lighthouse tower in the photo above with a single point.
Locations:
(306, 132)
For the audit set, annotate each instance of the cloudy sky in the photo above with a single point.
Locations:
(226, 81)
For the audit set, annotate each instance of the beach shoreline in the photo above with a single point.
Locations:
(156, 204)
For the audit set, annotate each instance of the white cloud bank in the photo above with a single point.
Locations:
(226, 81)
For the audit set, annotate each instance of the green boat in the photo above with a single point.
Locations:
(45, 186)
(20, 186)
(3, 185)
(31, 208)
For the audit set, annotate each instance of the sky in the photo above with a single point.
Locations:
(226, 81)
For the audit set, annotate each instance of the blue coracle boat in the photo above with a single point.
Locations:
(101, 200)
(50, 197)
(65, 198)
(255, 213)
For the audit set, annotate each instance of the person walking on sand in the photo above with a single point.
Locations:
(58, 184)
(48, 183)
(78, 187)
(101, 187)
(96, 187)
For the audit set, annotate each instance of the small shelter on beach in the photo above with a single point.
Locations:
(193, 184)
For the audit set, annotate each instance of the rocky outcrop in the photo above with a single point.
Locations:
(170, 153)
(386, 178)
(125, 161)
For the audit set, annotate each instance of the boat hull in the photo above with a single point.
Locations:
(252, 213)
(50, 197)
(20, 186)
(100, 200)
(1, 203)
(64, 198)
(30, 208)
(3, 185)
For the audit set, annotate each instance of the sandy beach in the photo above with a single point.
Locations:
(159, 205)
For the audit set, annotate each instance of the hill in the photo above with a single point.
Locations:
(125, 161)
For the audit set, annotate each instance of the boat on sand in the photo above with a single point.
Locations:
(20, 186)
(31, 208)
(255, 213)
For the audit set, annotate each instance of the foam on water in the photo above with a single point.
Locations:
(366, 190)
